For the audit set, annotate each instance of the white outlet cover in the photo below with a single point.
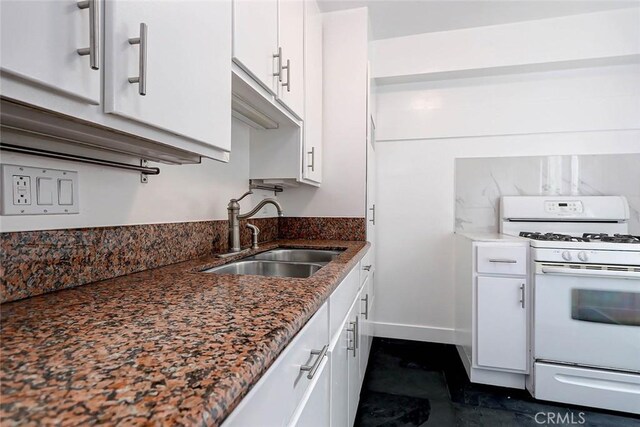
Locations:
(56, 175)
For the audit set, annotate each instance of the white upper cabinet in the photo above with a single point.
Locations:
(268, 44)
(40, 42)
(291, 41)
(312, 155)
(290, 152)
(371, 184)
(66, 70)
(255, 39)
(168, 66)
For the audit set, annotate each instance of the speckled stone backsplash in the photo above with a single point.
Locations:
(37, 262)
(317, 228)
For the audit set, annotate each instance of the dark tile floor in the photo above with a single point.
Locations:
(422, 384)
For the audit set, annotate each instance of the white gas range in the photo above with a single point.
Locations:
(585, 270)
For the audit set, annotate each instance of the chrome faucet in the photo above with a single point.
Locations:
(234, 218)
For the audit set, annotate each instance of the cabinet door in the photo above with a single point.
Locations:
(276, 398)
(291, 40)
(501, 323)
(371, 184)
(186, 68)
(255, 39)
(354, 361)
(314, 408)
(39, 43)
(312, 163)
(340, 355)
(365, 325)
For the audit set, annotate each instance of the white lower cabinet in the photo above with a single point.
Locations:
(357, 341)
(492, 309)
(314, 410)
(365, 326)
(355, 348)
(339, 356)
(501, 323)
(316, 381)
(277, 395)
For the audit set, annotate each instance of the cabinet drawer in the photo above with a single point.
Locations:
(617, 391)
(503, 259)
(341, 300)
(273, 400)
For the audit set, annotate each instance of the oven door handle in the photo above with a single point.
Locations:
(591, 273)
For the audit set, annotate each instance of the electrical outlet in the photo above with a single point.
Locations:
(38, 191)
(21, 190)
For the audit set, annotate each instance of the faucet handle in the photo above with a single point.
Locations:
(254, 231)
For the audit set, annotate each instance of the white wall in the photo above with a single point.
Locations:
(116, 197)
(342, 193)
(584, 37)
(416, 213)
(424, 127)
(597, 98)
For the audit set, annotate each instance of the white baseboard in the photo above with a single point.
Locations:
(414, 332)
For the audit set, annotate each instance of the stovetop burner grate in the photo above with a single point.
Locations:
(586, 237)
(616, 238)
(552, 237)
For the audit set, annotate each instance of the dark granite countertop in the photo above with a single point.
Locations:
(167, 346)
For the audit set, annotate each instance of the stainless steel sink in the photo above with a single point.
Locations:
(267, 268)
(298, 255)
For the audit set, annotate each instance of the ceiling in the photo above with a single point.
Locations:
(396, 18)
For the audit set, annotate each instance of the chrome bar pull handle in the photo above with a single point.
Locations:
(279, 72)
(141, 79)
(288, 68)
(354, 331)
(503, 261)
(312, 165)
(522, 295)
(373, 214)
(312, 369)
(366, 306)
(94, 33)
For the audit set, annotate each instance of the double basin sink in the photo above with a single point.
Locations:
(300, 263)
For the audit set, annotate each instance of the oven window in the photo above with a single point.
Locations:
(613, 307)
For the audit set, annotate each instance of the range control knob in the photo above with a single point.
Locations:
(582, 256)
(566, 255)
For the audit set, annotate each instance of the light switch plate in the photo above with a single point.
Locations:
(39, 191)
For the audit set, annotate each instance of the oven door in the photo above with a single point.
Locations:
(587, 316)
